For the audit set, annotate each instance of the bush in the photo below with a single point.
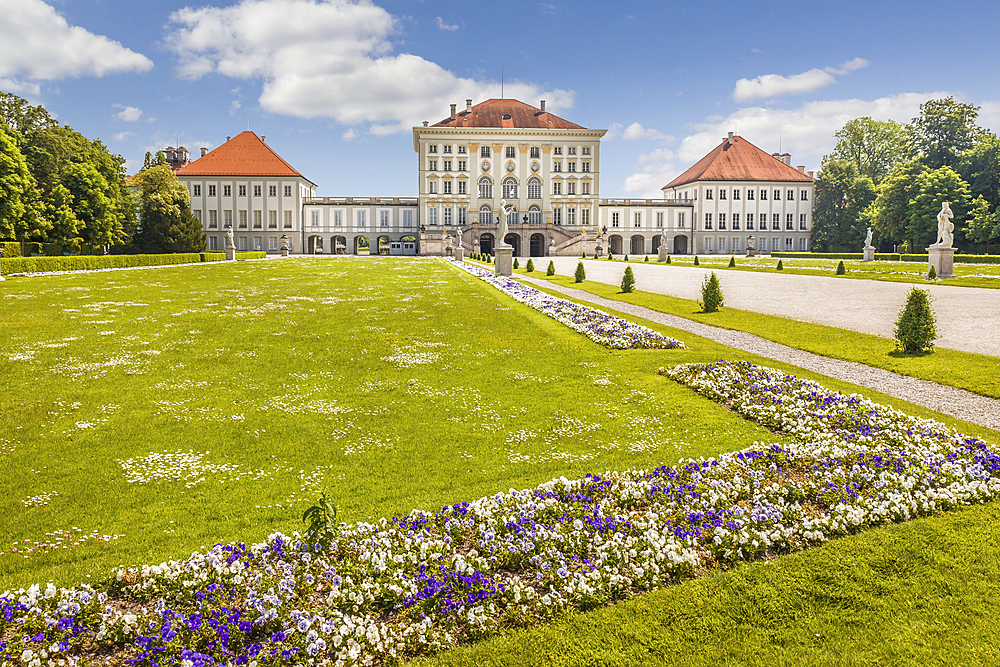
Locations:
(711, 294)
(251, 254)
(626, 258)
(595, 255)
(90, 262)
(213, 256)
(732, 262)
(580, 274)
(932, 273)
(551, 271)
(696, 260)
(916, 328)
(628, 280)
(781, 267)
(10, 249)
(516, 265)
(52, 250)
(610, 255)
(646, 259)
(840, 268)
(530, 266)
(668, 259)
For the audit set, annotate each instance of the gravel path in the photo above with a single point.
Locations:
(948, 400)
(968, 318)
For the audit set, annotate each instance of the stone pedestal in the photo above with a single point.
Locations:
(751, 252)
(504, 260)
(284, 251)
(869, 254)
(230, 254)
(459, 254)
(943, 261)
(662, 256)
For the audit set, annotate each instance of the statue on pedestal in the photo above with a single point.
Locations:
(946, 228)
(229, 238)
(505, 209)
(868, 238)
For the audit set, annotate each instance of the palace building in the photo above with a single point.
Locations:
(503, 150)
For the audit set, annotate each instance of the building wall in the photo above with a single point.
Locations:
(354, 225)
(640, 226)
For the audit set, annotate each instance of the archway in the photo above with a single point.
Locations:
(409, 245)
(537, 245)
(680, 245)
(486, 244)
(315, 244)
(657, 242)
(383, 245)
(638, 244)
(362, 246)
(514, 240)
(615, 244)
(340, 245)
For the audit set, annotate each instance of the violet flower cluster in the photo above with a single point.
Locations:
(411, 585)
(595, 324)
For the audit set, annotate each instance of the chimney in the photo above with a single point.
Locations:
(203, 151)
(468, 106)
(787, 158)
(542, 107)
(801, 168)
(228, 138)
(425, 123)
(810, 173)
(263, 138)
(452, 116)
(731, 139)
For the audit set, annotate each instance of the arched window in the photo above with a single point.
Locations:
(512, 217)
(486, 188)
(534, 188)
(534, 213)
(510, 188)
(485, 215)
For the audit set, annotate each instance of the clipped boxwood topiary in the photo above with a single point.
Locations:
(628, 280)
(696, 260)
(916, 327)
(732, 262)
(551, 271)
(646, 259)
(932, 273)
(668, 259)
(840, 268)
(516, 265)
(626, 258)
(530, 266)
(711, 294)
(780, 267)
(581, 273)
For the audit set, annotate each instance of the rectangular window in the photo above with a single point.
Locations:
(586, 167)
(763, 221)
(243, 193)
(362, 222)
(447, 215)
(572, 150)
(803, 244)
(708, 245)
(432, 148)
(211, 191)
(557, 216)
(722, 244)
(510, 152)
(749, 220)
(446, 149)
(789, 220)
(750, 195)
(585, 188)
(557, 166)
(722, 194)
(791, 195)
(736, 195)
(777, 195)
(774, 243)
(432, 187)
(637, 219)
(776, 221)
(258, 221)
(557, 188)
(272, 243)
(227, 191)
(571, 188)
(572, 165)
(258, 243)
(213, 219)
(584, 216)
(708, 193)
(722, 221)
(535, 153)
(461, 150)
(197, 215)
(484, 151)
(461, 216)
(432, 215)
(735, 244)
(243, 220)
(227, 219)
(383, 218)
(197, 191)
(256, 191)
(408, 217)
(736, 220)
(763, 195)
(432, 165)
(288, 191)
(243, 243)
(680, 220)
(708, 221)
(557, 150)
(614, 218)
(272, 219)
(659, 218)
(447, 165)
(802, 221)
(272, 191)
(462, 188)
(586, 150)
(461, 165)
(788, 245)
(805, 195)
(571, 215)
(288, 219)
(314, 218)
(213, 243)
(447, 187)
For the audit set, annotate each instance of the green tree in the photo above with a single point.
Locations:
(65, 227)
(944, 131)
(628, 280)
(916, 328)
(842, 198)
(980, 167)
(874, 147)
(984, 225)
(18, 211)
(930, 189)
(890, 212)
(166, 223)
(711, 294)
(92, 205)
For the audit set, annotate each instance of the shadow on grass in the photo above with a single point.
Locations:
(900, 354)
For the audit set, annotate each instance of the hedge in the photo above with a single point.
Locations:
(89, 262)
(887, 256)
(11, 249)
(250, 254)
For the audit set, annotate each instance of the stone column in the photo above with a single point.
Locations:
(943, 261)
(869, 254)
(459, 254)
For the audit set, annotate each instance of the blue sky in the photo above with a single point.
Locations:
(336, 85)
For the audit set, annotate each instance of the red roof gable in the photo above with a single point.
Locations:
(246, 154)
(738, 161)
(508, 113)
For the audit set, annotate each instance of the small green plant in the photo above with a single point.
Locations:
(646, 258)
(530, 266)
(780, 267)
(840, 268)
(932, 273)
(516, 265)
(628, 280)
(610, 255)
(584, 255)
(322, 519)
(581, 273)
(711, 294)
(626, 258)
(551, 271)
(595, 255)
(668, 259)
(732, 262)
(916, 328)
(696, 260)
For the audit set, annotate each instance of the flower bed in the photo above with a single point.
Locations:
(415, 584)
(596, 325)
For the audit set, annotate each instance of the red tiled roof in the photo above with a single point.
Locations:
(507, 113)
(739, 161)
(246, 154)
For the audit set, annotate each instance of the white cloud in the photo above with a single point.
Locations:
(989, 116)
(444, 26)
(775, 85)
(329, 58)
(614, 131)
(350, 135)
(123, 135)
(234, 106)
(659, 155)
(39, 45)
(636, 131)
(128, 114)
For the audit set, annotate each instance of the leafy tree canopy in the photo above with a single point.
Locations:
(980, 167)
(944, 131)
(874, 147)
(890, 212)
(930, 190)
(166, 223)
(842, 197)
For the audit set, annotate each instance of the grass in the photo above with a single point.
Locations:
(920, 593)
(973, 372)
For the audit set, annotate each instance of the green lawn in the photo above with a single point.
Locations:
(977, 373)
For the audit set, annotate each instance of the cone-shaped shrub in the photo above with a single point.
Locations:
(916, 328)
(696, 260)
(780, 267)
(530, 266)
(626, 258)
(646, 259)
(516, 265)
(711, 294)
(628, 280)
(840, 268)
(584, 255)
(595, 255)
(580, 274)
(610, 255)
(668, 259)
(932, 273)
(732, 262)
(551, 271)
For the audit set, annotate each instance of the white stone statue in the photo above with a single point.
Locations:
(505, 210)
(868, 239)
(946, 228)
(229, 238)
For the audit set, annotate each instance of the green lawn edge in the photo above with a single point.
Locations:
(977, 373)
